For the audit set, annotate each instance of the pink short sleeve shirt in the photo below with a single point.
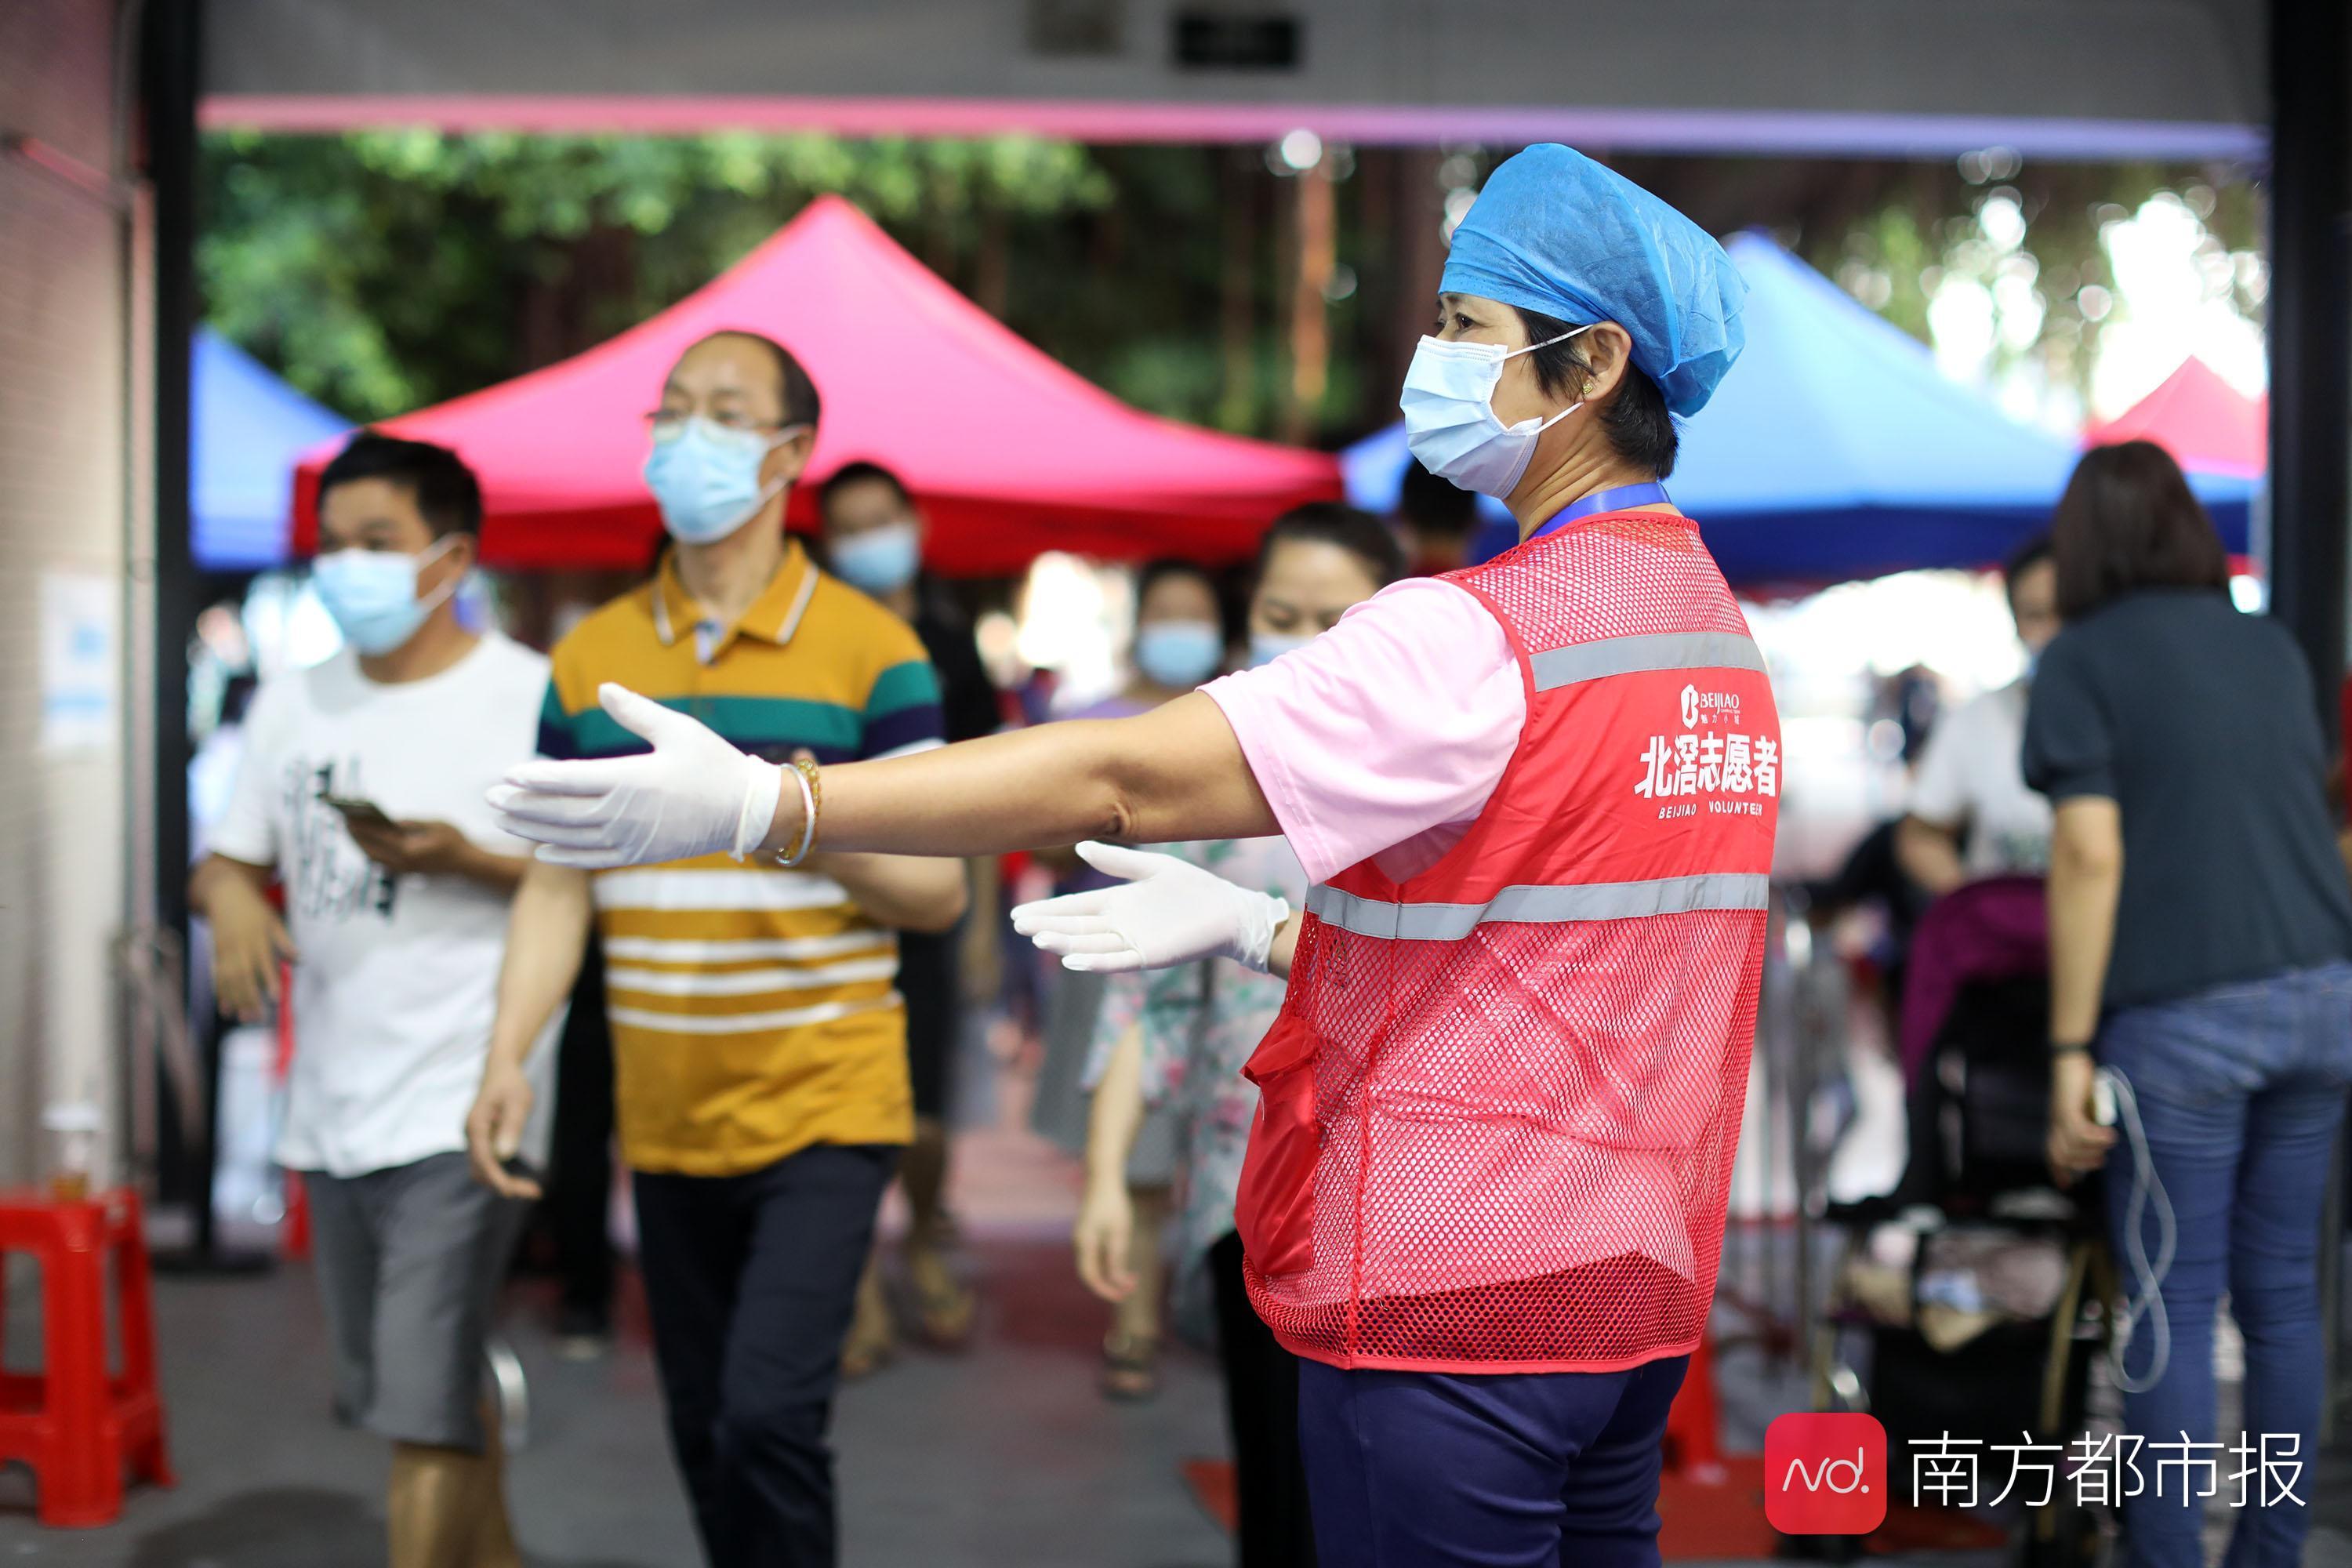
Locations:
(1382, 739)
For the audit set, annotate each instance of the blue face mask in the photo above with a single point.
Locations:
(1267, 646)
(1179, 655)
(1450, 423)
(706, 477)
(372, 594)
(880, 560)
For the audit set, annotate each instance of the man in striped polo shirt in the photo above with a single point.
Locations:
(759, 1040)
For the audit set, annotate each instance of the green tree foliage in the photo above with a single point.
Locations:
(1904, 240)
(381, 270)
(1131, 298)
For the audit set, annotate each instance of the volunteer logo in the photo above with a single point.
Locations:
(1825, 1473)
(1709, 707)
(1733, 771)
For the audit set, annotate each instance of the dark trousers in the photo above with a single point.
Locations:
(579, 1200)
(749, 1281)
(1524, 1469)
(1262, 1411)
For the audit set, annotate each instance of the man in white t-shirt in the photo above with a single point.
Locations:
(360, 792)
(1971, 785)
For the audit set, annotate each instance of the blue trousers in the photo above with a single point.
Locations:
(2240, 1089)
(1418, 1469)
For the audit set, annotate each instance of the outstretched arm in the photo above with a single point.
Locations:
(1176, 773)
(1163, 910)
(1399, 720)
(1171, 775)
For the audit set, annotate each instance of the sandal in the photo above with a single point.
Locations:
(1130, 1368)
(872, 1340)
(944, 1305)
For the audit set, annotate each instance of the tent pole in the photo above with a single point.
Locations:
(173, 29)
(2311, 409)
(2311, 331)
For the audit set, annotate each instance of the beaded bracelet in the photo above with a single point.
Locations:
(804, 773)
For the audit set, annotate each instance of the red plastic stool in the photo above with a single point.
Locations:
(1693, 1448)
(74, 1424)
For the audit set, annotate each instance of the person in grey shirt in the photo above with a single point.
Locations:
(2200, 946)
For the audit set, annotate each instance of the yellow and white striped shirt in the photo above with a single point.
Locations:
(753, 1009)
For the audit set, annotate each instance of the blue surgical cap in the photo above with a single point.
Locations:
(1556, 233)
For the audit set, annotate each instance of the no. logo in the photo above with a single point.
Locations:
(1825, 1473)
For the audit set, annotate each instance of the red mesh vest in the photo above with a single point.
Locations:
(1499, 1107)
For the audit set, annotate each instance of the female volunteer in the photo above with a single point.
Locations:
(2200, 929)
(1484, 1192)
(1177, 1040)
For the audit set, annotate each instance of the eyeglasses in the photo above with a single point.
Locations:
(669, 424)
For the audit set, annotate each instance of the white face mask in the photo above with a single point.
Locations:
(1450, 424)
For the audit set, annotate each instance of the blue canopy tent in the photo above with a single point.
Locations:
(1836, 450)
(247, 429)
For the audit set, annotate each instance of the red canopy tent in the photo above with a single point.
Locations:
(2208, 426)
(1009, 453)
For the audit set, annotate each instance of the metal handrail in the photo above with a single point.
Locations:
(1801, 1043)
(152, 971)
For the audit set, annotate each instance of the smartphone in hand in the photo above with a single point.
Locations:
(359, 812)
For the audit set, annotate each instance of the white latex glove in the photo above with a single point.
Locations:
(1165, 912)
(695, 795)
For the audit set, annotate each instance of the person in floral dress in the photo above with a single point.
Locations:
(1176, 1038)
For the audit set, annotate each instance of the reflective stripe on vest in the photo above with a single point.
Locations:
(1558, 666)
(1539, 905)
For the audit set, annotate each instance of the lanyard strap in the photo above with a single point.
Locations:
(1617, 498)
